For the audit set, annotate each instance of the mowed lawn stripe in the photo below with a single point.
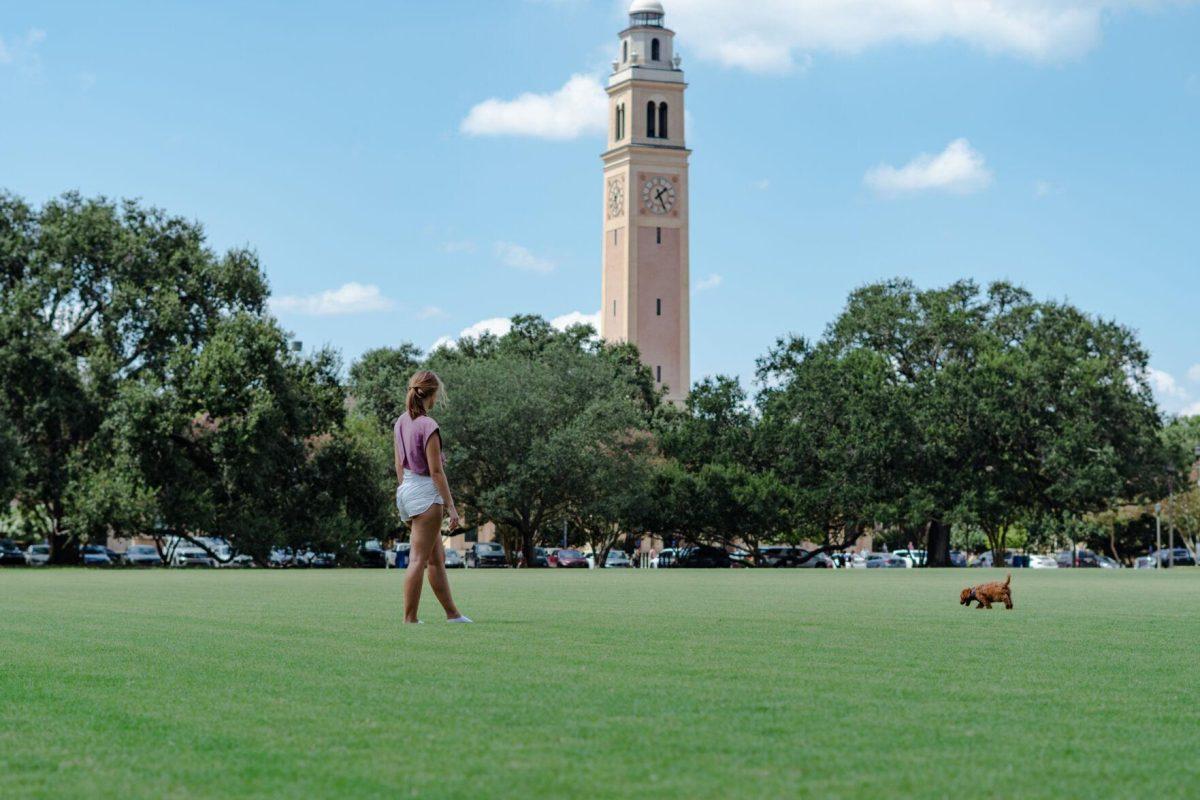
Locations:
(596, 684)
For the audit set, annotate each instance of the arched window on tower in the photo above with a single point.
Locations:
(662, 120)
(650, 119)
(625, 51)
(654, 50)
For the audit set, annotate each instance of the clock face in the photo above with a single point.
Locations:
(658, 195)
(616, 197)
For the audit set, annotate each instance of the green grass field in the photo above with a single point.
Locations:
(718, 684)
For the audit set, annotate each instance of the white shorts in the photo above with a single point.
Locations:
(416, 495)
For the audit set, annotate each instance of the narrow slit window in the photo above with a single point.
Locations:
(625, 51)
(658, 374)
(654, 50)
(614, 235)
(662, 120)
(614, 308)
(658, 235)
(650, 119)
(658, 307)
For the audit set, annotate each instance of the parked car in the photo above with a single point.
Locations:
(1011, 559)
(818, 561)
(703, 557)
(190, 557)
(370, 554)
(542, 557)
(141, 555)
(617, 559)
(93, 555)
(571, 558)
(37, 555)
(1079, 558)
(915, 558)
(281, 557)
(11, 555)
(666, 557)
(1042, 562)
(958, 558)
(885, 561)
(486, 554)
(319, 560)
(1107, 563)
(777, 556)
(1144, 562)
(1183, 557)
(454, 559)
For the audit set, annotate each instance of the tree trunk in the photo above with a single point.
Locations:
(937, 544)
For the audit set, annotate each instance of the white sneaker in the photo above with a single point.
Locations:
(460, 618)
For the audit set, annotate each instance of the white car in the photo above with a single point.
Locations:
(915, 558)
(37, 555)
(454, 559)
(190, 557)
(617, 558)
(1042, 562)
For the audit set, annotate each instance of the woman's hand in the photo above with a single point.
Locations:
(454, 520)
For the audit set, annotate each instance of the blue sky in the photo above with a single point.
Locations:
(1055, 143)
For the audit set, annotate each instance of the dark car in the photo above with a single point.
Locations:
(93, 555)
(371, 554)
(777, 556)
(1080, 558)
(541, 558)
(141, 555)
(1183, 557)
(703, 557)
(10, 554)
(958, 558)
(572, 558)
(486, 554)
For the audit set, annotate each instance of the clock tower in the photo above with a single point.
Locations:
(645, 250)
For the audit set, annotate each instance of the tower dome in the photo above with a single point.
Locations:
(646, 7)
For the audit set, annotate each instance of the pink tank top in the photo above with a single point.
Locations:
(411, 438)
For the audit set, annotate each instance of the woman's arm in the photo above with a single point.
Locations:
(433, 454)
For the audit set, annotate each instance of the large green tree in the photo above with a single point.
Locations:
(94, 294)
(956, 405)
(534, 417)
(723, 488)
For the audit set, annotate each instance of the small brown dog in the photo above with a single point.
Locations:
(987, 593)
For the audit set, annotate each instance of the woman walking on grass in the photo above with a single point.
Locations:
(423, 495)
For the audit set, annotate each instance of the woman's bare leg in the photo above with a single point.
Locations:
(426, 532)
(439, 581)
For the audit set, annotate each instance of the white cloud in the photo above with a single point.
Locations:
(959, 169)
(349, 298)
(22, 50)
(499, 326)
(576, 318)
(704, 284)
(762, 185)
(778, 35)
(1194, 373)
(430, 312)
(579, 108)
(1164, 385)
(1191, 411)
(464, 246)
(518, 257)
(1043, 188)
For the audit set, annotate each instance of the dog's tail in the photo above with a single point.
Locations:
(1008, 580)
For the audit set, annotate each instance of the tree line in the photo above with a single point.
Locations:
(147, 390)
